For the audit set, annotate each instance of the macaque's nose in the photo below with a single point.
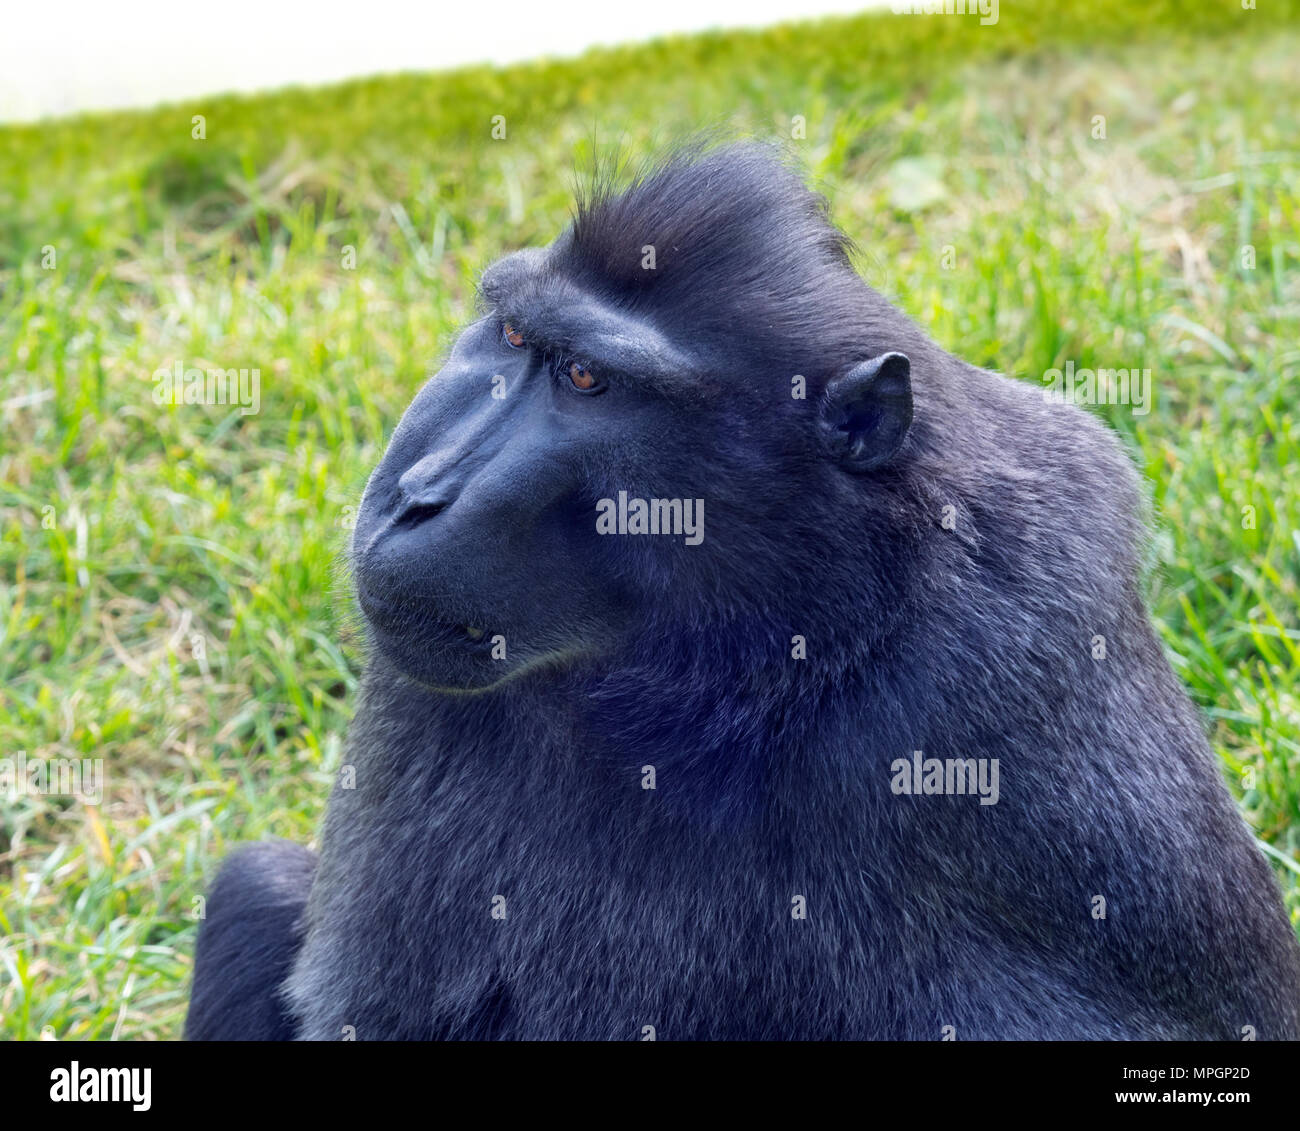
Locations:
(425, 489)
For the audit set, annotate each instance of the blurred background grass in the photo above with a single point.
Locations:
(180, 614)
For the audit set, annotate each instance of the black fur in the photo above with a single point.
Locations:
(671, 908)
(250, 934)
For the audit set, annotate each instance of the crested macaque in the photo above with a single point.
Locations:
(869, 737)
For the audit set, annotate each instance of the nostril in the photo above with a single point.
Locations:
(413, 514)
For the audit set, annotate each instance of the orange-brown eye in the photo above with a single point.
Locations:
(513, 336)
(581, 378)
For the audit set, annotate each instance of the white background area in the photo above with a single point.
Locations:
(61, 56)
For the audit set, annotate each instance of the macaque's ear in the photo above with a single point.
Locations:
(866, 413)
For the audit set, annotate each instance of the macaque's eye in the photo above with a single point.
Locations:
(582, 378)
(514, 338)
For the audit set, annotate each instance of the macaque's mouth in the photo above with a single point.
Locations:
(408, 623)
(467, 635)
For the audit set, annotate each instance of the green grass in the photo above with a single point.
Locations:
(180, 613)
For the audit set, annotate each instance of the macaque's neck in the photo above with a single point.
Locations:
(712, 741)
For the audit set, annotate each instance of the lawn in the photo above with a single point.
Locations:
(1106, 184)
